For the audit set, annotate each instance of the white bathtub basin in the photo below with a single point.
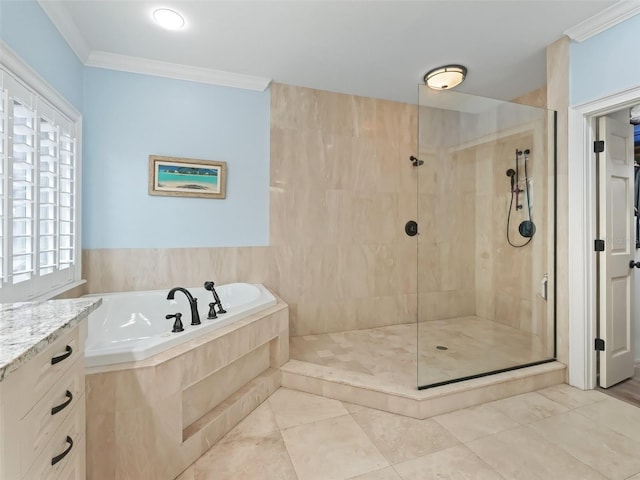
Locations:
(131, 326)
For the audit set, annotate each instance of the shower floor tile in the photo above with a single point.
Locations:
(394, 353)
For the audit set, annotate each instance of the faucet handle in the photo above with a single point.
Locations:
(212, 311)
(177, 325)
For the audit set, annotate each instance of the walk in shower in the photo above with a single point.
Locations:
(486, 210)
(480, 250)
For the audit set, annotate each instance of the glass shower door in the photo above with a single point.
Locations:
(486, 249)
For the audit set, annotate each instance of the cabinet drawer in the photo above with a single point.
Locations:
(65, 442)
(44, 419)
(40, 374)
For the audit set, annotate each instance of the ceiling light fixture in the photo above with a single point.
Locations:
(169, 19)
(445, 78)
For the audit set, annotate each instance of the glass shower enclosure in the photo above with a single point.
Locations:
(486, 241)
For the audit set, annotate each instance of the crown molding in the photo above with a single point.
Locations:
(125, 63)
(615, 14)
(61, 19)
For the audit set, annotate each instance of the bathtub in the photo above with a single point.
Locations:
(131, 326)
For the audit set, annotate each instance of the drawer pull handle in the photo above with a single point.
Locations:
(57, 458)
(64, 404)
(59, 358)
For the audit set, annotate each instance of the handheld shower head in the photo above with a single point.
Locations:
(512, 173)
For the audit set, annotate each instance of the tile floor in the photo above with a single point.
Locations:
(558, 433)
(474, 345)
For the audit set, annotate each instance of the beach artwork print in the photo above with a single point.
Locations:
(186, 177)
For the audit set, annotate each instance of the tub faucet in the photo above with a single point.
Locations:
(193, 303)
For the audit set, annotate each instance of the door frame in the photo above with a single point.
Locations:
(581, 190)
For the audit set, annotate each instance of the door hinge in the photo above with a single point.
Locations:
(598, 246)
(598, 146)
(599, 345)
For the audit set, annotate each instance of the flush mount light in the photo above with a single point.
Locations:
(444, 78)
(169, 19)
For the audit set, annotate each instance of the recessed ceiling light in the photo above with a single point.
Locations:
(169, 19)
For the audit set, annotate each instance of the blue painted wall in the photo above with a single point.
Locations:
(128, 117)
(28, 31)
(606, 63)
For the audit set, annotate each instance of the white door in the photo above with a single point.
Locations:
(616, 227)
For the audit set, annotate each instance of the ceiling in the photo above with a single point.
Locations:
(376, 49)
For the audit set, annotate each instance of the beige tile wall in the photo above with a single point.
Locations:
(342, 188)
(446, 245)
(508, 278)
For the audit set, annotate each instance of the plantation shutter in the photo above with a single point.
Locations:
(21, 172)
(38, 197)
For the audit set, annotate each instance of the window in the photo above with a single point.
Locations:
(39, 194)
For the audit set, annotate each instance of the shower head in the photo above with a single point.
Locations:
(416, 162)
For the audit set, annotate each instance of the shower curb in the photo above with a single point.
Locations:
(369, 391)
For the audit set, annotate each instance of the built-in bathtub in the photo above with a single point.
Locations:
(156, 400)
(131, 326)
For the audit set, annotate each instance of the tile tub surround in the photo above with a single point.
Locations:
(152, 418)
(28, 328)
(553, 433)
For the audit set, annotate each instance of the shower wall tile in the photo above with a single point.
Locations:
(302, 158)
(447, 206)
(443, 305)
(485, 301)
(346, 229)
(366, 312)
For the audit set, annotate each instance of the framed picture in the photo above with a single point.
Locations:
(187, 177)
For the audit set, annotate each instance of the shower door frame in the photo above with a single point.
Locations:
(582, 232)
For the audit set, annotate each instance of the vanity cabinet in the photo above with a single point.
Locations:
(42, 413)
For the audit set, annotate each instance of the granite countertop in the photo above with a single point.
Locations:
(28, 328)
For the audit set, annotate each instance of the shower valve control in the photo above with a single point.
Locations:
(411, 228)
(634, 264)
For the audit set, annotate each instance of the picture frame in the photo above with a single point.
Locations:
(187, 177)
